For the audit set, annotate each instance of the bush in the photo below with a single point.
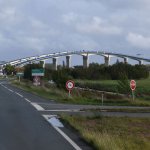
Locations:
(60, 77)
(123, 84)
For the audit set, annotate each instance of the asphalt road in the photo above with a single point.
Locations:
(22, 127)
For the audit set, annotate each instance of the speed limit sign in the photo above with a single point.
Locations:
(70, 85)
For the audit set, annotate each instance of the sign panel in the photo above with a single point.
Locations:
(37, 72)
(132, 85)
(21, 74)
(70, 85)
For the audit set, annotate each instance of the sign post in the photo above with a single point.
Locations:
(133, 87)
(19, 75)
(70, 85)
(102, 98)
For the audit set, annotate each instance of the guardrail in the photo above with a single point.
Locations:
(101, 92)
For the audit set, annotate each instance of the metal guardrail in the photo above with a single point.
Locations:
(98, 91)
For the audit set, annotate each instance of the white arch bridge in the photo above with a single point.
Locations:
(84, 54)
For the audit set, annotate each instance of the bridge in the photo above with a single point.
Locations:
(68, 54)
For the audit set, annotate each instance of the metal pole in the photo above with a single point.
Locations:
(133, 95)
(19, 78)
(102, 98)
(69, 93)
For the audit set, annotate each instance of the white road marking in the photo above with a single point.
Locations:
(27, 100)
(64, 110)
(67, 138)
(19, 94)
(10, 90)
(49, 116)
(38, 107)
(63, 134)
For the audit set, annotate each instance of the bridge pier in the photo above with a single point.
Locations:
(85, 61)
(55, 63)
(42, 63)
(125, 60)
(140, 62)
(107, 60)
(68, 61)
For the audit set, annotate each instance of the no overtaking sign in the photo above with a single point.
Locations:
(69, 85)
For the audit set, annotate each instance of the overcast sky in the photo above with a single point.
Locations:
(33, 27)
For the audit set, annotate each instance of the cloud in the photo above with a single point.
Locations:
(139, 40)
(29, 27)
(98, 26)
(69, 18)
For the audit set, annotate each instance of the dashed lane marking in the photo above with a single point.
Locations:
(27, 100)
(19, 94)
(63, 110)
(10, 90)
(38, 107)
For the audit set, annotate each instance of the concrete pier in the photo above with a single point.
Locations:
(42, 62)
(107, 60)
(85, 61)
(140, 62)
(125, 60)
(68, 61)
(55, 63)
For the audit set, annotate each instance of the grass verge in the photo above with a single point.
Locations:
(77, 97)
(129, 110)
(110, 133)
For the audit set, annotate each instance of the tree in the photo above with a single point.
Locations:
(60, 77)
(9, 69)
(123, 84)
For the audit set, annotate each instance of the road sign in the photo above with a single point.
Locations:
(36, 80)
(37, 72)
(132, 85)
(21, 74)
(70, 85)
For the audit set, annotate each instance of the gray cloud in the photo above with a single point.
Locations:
(30, 27)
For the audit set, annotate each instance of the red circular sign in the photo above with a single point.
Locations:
(132, 85)
(70, 85)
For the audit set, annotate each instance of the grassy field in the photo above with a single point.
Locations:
(105, 85)
(142, 86)
(110, 133)
(78, 97)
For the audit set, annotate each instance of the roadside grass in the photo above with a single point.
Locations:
(102, 85)
(112, 133)
(142, 86)
(129, 110)
(77, 97)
